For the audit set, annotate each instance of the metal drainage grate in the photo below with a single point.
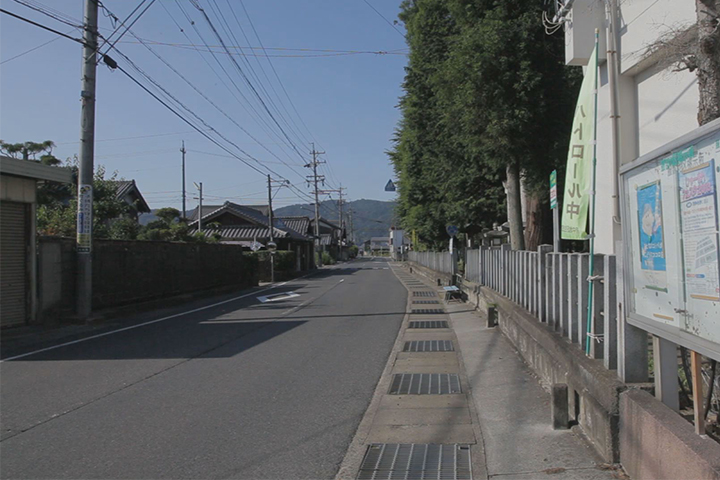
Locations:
(426, 302)
(429, 346)
(429, 324)
(416, 461)
(425, 384)
(427, 310)
(423, 293)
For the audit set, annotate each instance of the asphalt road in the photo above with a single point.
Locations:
(239, 390)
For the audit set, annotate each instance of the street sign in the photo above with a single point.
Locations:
(452, 230)
(255, 246)
(390, 186)
(553, 189)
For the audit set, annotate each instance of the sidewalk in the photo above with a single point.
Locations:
(501, 417)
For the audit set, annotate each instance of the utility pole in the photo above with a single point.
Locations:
(200, 198)
(340, 204)
(340, 210)
(183, 179)
(87, 159)
(352, 228)
(315, 178)
(270, 227)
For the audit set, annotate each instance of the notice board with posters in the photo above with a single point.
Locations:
(671, 235)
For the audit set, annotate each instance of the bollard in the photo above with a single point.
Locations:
(559, 400)
(491, 315)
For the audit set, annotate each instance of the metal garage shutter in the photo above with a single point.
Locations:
(13, 263)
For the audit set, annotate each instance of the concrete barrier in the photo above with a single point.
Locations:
(656, 443)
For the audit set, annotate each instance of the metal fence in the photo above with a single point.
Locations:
(439, 261)
(554, 287)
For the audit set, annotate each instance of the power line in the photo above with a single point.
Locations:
(383, 17)
(32, 49)
(42, 26)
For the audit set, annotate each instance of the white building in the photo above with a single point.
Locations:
(654, 106)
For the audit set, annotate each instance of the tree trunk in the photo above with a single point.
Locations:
(534, 221)
(708, 59)
(514, 207)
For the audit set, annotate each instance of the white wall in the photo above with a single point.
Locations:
(655, 106)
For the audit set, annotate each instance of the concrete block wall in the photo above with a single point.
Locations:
(656, 443)
(128, 272)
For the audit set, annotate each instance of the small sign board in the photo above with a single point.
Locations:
(84, 219)
(255, 246)
(390, 186)
(452, 230)
(553, 189)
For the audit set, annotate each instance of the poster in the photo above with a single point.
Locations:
(652, 248)
(698, 215)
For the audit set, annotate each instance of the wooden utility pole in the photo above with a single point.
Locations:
(315, 178)
(200, 199)
(270, 228)
(87, 160)
(183, 180)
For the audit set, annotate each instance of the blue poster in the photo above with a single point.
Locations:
(652, 249)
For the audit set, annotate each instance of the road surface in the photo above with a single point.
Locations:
(243, 389)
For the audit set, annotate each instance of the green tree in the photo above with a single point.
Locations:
(487, 97)
(56, 212)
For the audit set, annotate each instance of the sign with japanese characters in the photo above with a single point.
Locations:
(84, 219)
(553, 189)
(578, 174)
(671, 239)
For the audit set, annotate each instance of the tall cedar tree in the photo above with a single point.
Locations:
(487, 95)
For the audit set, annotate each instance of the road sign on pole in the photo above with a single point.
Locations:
(390, 186)
(452, 230)
(553, 189)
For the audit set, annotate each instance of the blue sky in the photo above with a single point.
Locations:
(346, 100)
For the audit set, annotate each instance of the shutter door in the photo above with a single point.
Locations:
(13, 263)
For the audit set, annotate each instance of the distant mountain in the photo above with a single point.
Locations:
(371, 218)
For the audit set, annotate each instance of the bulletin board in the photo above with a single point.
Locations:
(671, 235)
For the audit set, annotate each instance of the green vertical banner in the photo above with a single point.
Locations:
(578, 175)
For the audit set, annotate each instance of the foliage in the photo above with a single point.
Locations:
(31, 149)
(57, 209)
(327, 259)
(353, 251)
(485, 87)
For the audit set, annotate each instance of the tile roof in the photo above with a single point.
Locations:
(251, 214)
(126, 187)
(299, 224)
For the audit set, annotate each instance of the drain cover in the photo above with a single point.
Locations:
(429, 346)
(427, 310)
(416, 461)
(429, 324)
(426, 302)
(425, 384)
(423, 293)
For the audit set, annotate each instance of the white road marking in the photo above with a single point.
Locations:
(92, 337)
(277, 296)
